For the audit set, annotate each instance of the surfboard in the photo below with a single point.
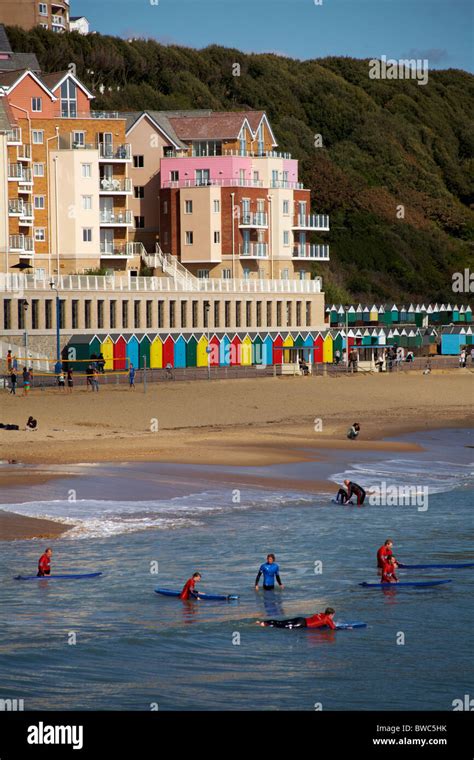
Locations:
(348, 626)
(67, 577)
(449, 566)
(404, 583)
(204, 597)
(346, 504)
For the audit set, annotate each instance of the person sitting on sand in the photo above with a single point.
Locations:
(320, 620)
(44, 564)
(31, 423)
(353, 431)
(388, 571)
(189, 591)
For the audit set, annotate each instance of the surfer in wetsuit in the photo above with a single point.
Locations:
(320, 620)
(44, 564)
(189, 591)
(388, 571)
(384, 554)
(353, 489)
(270, 570)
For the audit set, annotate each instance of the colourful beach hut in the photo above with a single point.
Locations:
(224, 351)
(351, 316)
(202, 356)
(278, 349)
(156, 353)
(468, 314)
(338, 342)
(235, 350)
(132, 351)
(318, 348)
(107, 351)
(120, 354)
(267, 349)
(144, 344)
(328, 348)
(180, 352)
(246, 352)
(78, 351)
(374, 314)
(215, 345)
(257, 350)
(308, 344)
(167, 356)
(191, 352)
(287, 344)
(94, 346)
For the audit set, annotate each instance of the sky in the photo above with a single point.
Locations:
(441, 31)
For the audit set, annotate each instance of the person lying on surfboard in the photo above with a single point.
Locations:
(270, 570)
(320, 620)
(44, 564)
(189, 591)
(384, 554)
(388, 571)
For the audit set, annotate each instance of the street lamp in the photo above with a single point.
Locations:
(207, 307)
(54, 287)
(25, 305)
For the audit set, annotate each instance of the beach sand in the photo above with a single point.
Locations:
(247, 422)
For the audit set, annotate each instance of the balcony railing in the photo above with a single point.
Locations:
(116, 217)
(254, 250)
(58, 21)
(312, 222)
(115, 185)
(259, 219)
(26, 214)
(283, 184)
(109, 152)
(18, 172)
(229, 182)
(14, 136)
(21, 243)
(111, 249)
(105, 115)
(308, 251)
(15, 206)
(257, 153)
(23, 153)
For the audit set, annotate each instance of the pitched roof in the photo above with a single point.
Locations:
(4, 116)
(217, 125)
(4, 43)
(20, 61)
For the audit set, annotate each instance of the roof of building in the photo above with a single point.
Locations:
(5, 46)
(78, 18)
(15, 61)
(215, 126)
(5, 123)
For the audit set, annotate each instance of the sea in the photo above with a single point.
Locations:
(112, 643)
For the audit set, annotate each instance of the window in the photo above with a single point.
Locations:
(259, 314)
(184, 314)
(217, 313)
(205, 314)
(136, 313)
(87, 202)
(242, 176)
(7, 314)
(86, 170)
(217, 207)
(113, 314)
(43, 9)
(188, 207)
(38, 136)
(269, 313)
(203, 274)
(289, 313)
(195, 313)
(248, 314)
(189, 238)
(39, 202)
(284, 274)
(48, 314)
(40, 234)
(256, 177)
(21, 314)
(172, 313)
(227, 313)
(238, 309)
(286, 207)
(100, 314)
(35, 314)
(149, 313)
(124, 314)
(165, 207)
(278, 316)
(161, 311)
(78, 139)
(87, 234)
(308, 312)
(217, 237)
(68, 99)
(87, 314)
(226, 274)
(298, 313)
(139, 191)
(37, 105)
(286, 238)
(174, 176)
(260, 206)
(38, 170)
(138, 162)
(139, 222)
(62, 314)
(274, 177)
(75, 314)
(203, 177)
(302, 274)
(246, 273)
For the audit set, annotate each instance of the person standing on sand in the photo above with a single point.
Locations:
(13, 382)
(9, 361)
(90, 376)
(26, 381)
(44, 564)
(95, 380)
(70, 380)
(131, 377)
(270, 570)
(319, 620)
(462, 358)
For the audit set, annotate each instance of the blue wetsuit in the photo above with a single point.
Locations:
(270, 571)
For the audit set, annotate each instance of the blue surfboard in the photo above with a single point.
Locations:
(348, 626)
(211, 597)
(452, 566)
(68, 577)
(404, 583)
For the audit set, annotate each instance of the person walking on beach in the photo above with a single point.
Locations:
(270, 570)
(189, 589)
(70, 380)
(319, 620)
(26, 381)
(384, 554)
(90, 376)
(388, 571)
(13, 380)
(131, 377)
(44, 564)
(61, 381)
(95, 380)
(9, 361)
(462, 358)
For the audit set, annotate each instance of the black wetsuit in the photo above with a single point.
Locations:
(357, 491)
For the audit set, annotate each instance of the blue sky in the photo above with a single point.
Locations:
(439, 30)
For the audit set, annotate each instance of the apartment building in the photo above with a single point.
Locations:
(212, 190)
(50, 14)
(67, 178)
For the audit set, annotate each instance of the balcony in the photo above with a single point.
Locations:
(15, 207)
(313, 222)
(259, 220)
(109, 250)
(23, 153)
(58, 21)
(230, 182)
(21, 244)
(26, 215)
(115, 152)
(313, 252)
(105, 115)
(115, 186)
(282, 184)
(116, 218)
(257, 154)
(14, 136)
(254, 251)
(18, 173)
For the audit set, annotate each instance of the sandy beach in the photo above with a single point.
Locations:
(226, 422)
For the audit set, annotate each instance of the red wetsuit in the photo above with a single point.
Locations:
(188, 588)
(319, 621)
(388, 573)
(383, 554)
(44, 565)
